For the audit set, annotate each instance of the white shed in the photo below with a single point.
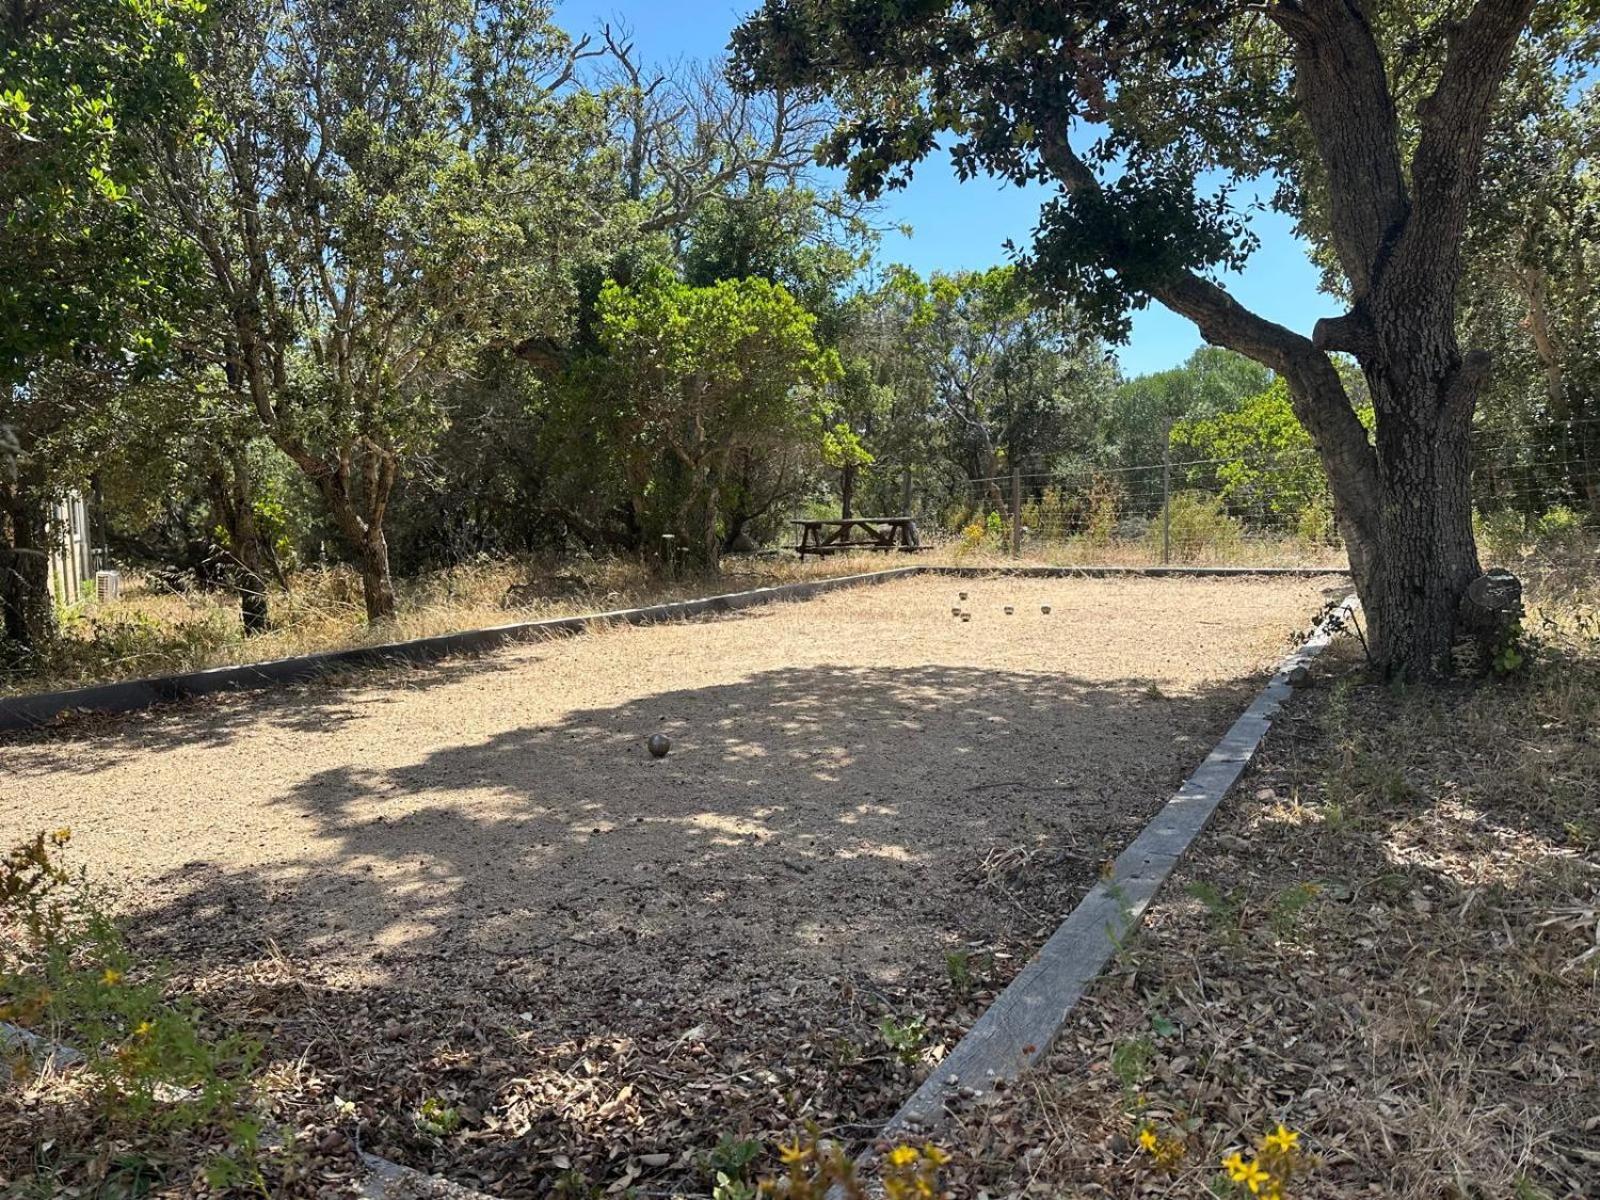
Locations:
(71, 563)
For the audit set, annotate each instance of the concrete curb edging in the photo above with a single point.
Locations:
(1022, 1023)
(390, 1181)
(1111, 572)
(384, 1180)
(31, 711)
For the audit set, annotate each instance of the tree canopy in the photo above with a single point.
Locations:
(85, 90)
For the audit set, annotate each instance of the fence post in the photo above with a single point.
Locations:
(905, 492)
(1166, 497)
(1016, 511)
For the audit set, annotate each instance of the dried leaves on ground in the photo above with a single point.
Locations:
(1385, 942)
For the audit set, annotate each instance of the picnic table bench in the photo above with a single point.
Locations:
(842, 534)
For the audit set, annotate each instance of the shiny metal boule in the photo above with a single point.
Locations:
(658, 745)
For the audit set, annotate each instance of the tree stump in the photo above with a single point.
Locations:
(1490, 608)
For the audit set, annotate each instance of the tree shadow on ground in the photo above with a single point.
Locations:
(216, 721)
(715, 934)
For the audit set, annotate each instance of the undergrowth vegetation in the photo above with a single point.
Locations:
(149, 1095)
(158, 628)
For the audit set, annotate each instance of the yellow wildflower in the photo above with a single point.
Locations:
(902, 1156)
(1148, 1139)
(112, 977)
(143, 1029)
(935, 1155)
(1281, 1139)
(61, 836)
(1252, 1176)
(1234, 1165)
(796, 1153)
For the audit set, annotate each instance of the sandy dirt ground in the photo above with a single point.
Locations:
(859, 786)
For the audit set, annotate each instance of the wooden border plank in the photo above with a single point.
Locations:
(31, 710)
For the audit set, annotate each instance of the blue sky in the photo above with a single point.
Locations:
(959, 225)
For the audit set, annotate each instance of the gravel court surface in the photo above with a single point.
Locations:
(859, 785)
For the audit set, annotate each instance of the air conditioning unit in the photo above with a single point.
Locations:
(107, 585)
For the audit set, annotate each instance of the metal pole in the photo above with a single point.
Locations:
(1016, 511)
(1166, 498)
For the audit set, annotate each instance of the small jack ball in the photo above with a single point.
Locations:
(658, 745)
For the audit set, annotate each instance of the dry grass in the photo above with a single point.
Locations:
(1087, 551)
(1388, 941)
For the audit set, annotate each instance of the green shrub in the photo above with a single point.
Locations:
(67, 974)
(1559, 521)
(1560, 530)
(1502, 533)
(1200, 525)
(1314, 525)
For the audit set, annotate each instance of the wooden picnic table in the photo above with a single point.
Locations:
(842, 534)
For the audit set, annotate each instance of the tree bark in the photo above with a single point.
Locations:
(1403, 501)
(377, 585)
(29, 609)
(1425, 554)
(232, 500)
(362, 523)
(847, 490)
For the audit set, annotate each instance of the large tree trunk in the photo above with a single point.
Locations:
(377, 585)
(233, 502)
(1424, 554)
(1403, 504)
(250, 579)
(363, 530)
(699, 517)
(710, 525)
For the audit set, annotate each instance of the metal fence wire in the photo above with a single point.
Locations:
(1260, 509)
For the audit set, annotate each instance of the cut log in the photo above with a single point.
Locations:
(1491, 606)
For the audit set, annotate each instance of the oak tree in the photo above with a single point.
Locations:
(1368, 116)
(85, 86)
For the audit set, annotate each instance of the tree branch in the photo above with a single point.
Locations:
(1316, 392)
(1454, 121)
(1342, 90)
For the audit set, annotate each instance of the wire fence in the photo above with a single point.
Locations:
(1531, 500)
